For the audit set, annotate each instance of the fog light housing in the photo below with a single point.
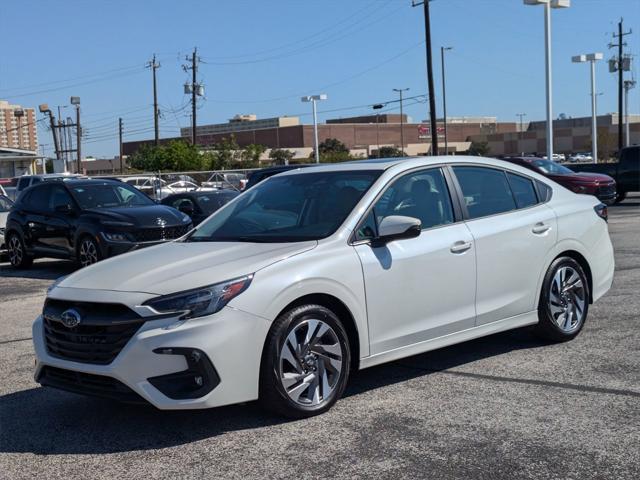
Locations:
(196, 381)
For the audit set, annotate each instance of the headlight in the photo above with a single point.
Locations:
(579, 188)
(116, 237)
(200, 301)
(55, 284)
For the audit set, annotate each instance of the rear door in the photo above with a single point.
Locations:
(513, 232)
(59, 225)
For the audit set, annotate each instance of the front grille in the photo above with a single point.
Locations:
(103, 332)
(160, 234)
(88, 384)
(606, 190)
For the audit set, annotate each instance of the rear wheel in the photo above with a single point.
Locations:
(620, 196)
(88, 252)
(17, 252)
(564, 301)
(306, 362)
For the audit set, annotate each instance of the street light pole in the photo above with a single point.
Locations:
(400, 90)
(548, 5)
(592, 58)
(521, 115)
(313, 99)
(376, 107)
(444, 100)
(628, 85)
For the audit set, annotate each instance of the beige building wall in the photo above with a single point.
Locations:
(15, 131)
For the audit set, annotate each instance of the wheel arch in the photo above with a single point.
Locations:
(338, 307)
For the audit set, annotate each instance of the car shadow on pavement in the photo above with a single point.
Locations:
(45, 421)
(41, 270)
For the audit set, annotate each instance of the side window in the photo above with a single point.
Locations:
(23, 183)
(544, 191)
(38, 199)
(523, 190)
(486, 191)
(59, 197)
(423, 195)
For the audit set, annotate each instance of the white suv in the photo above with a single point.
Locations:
(316, 272)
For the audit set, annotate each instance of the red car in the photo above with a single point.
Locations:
(599, 185)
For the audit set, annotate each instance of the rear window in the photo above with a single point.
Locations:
(486, 191)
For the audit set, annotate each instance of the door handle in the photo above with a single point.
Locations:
(460, 247)
(540, 228)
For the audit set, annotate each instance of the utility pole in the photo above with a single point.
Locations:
(444, 100)
(195, 89)
(62, 130)
(44, 108)
(432, 96)
(153, 65)
(69, 123)
(120, 143)
(400, 90)
(521, 116)
(621, 67)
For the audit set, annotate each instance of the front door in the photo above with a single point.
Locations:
(421, 288)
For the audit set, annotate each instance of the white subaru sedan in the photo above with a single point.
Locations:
(317, 272)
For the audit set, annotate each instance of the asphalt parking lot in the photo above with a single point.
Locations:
(506, 406)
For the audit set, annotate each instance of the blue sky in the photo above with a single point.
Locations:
(261, 56)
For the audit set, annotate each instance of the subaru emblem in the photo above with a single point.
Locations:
(70, 318)
(161, 222)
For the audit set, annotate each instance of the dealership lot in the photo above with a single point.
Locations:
(506, 406)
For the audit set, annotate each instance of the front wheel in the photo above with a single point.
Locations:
(306, 362)
(17, 252)
(88, 252)
(564, 301)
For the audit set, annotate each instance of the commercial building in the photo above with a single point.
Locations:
(18, 128)
(363, 134)
(570, 135)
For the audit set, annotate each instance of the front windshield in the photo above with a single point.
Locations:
(306, 206)
(108, 195)
(552, 168)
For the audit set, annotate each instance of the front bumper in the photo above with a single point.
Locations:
(231, 340)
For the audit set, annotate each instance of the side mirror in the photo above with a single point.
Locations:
(397, 227)
(65, 209)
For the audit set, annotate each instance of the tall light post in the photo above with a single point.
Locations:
(76, 101)
(377, 107)
(444, 99)
(313, 99)
(592, 58)
(400, 90)
(548, 5)
(628, 85)
(521, 116)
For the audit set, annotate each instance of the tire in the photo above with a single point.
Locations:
(88, 251)
(620, 196)
(298, 378)
(564, 301)
(17, 252)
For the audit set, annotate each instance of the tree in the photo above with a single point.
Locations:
(332, 150)
(181, 156)
(224, 154)
(251, 155)
(388, 152)
(480, 149)
(280, 156)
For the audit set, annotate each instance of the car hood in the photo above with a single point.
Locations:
(586, 177)
(146, 216)
(177, 266)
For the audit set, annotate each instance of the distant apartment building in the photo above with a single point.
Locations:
(18, 127)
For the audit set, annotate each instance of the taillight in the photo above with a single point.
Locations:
(602, 211)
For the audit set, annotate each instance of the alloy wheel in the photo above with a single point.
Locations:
(567, 298)
(88, 253)
(15, 250)
(310, 362)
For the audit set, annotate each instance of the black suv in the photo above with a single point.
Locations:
(87, 220)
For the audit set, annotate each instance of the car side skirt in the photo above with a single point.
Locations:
(510, 323)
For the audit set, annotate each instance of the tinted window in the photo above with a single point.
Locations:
(59, 197)
(544, 191)
(523, 190)
(210, 203)
(5, 204)
(423, 195)
(182, 202)
(109, 195)
(23, 183)
(38, 199)
(305, 206)
(485, 191)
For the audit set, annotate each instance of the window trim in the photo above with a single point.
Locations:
(467, 218)
(458, 214)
